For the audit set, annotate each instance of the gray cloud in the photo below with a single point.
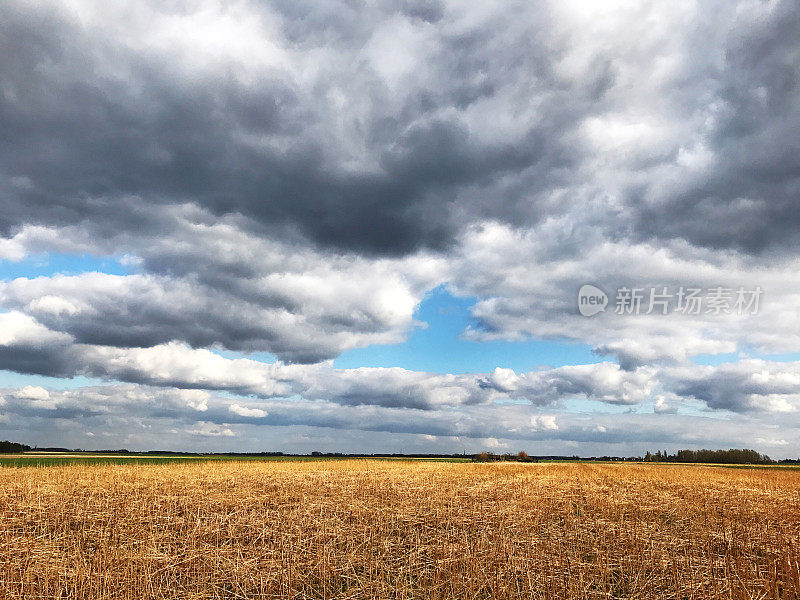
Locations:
(175, 365)
(746, 386)
(747, 177)
(527, 281)
(381, 131)
(604, 382)
(29, 347)
(295, 130)
(142, 417)
(214, 284)
(217, 147)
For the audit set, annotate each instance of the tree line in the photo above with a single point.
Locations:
(12, 447)
(734, 456)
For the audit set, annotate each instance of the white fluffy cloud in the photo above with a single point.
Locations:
(745, 386)
(32, 392)
(177, 365)
(527, 282)
(217, 286)
(303, 305)
(748, 385)
(206, 429)
(244, 411)
(604, 382)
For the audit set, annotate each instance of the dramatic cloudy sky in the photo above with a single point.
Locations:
(334, 226)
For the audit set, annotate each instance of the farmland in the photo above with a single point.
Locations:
(55, 459)
(396, 529)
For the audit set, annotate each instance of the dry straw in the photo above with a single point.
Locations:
(373, 529)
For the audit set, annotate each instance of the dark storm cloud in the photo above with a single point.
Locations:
(747, 196)
(33, 360)
(98, 112)
(92, 123)
(28, 347)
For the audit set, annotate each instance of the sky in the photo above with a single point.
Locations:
(560, 227)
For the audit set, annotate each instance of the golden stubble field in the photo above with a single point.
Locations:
(384, 529)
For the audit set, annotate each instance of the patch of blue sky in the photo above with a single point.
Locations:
(9, 379)
(439, 347)
(515, 401)
(584, 405)
(714, 360)
(589, 407)
(784, 357)
(47, 265)
(264, 357)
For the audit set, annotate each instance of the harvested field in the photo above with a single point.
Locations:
(390, 529)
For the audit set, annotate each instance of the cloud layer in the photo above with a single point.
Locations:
(293, 179)
(386, 129)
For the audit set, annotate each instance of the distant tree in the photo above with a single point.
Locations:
(523, 457)
(7, 447)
